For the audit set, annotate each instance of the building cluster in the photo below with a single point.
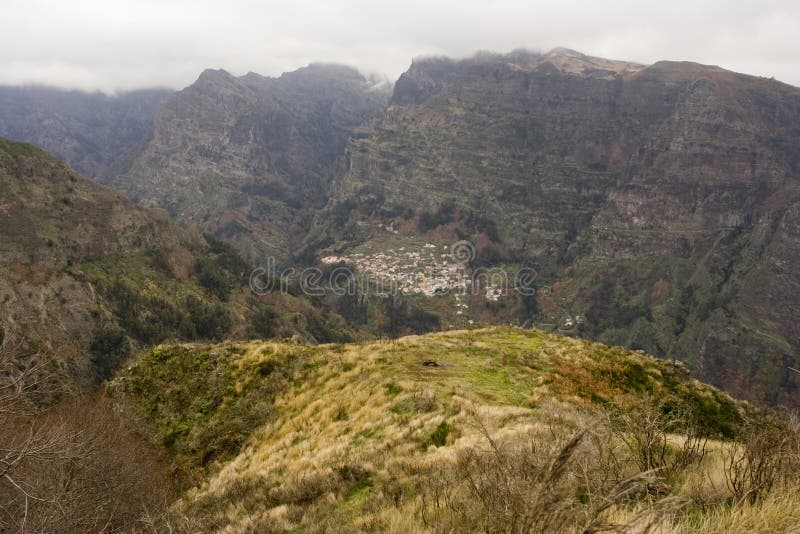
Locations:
(428, 270)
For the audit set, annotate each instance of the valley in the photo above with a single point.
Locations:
(655, 203)
(513, 292)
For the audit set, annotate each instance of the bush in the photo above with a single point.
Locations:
(213, 278)
(353, 308)
(645, 428)
(227, 257)
(534, 484)
(397, 317)
(438, 437)
(75, 468)
(147, 319)
(211, 321)
(765, 455)
(443, 215)
(158, 260)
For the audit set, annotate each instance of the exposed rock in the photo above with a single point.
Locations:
(250, 158)
(662, 202)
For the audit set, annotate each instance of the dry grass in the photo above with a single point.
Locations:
(778, 511)
(365, 438)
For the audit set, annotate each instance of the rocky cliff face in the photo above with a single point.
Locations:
(250, 158)
(660, 202)
(96, 134)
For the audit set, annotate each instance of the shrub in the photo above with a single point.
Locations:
(263, 323)
(159, 261)
(211, 321)
(438, 437)
(398, 316)
(444, 214)
(645, 428)
(147, 319)
(227, 257)
(533, 484)
(74, 468)
(765, 455)
(213, 278)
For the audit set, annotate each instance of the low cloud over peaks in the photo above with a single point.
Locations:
(128, 44)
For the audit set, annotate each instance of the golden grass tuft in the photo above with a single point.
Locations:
(360, 434)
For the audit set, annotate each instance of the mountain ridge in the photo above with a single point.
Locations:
(326, 437)
(87, 277)
(652, 202)
(95, 133)
(657, 201)
(244, 157)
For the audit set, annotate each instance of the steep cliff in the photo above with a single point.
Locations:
(250, 158)
(659, 202)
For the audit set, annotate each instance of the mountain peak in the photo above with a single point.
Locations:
(323, 72)
(562, 51)
(215, 76)
(573, 62)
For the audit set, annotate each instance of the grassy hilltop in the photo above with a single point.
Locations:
(435, 433)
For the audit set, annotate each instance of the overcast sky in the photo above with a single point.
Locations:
(124, 44)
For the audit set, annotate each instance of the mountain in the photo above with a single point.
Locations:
(659, 204)
(455, 431)
(653, 208)
(87, 277)
(250, 159)
(94, 133)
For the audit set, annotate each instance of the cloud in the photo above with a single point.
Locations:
(124, 44)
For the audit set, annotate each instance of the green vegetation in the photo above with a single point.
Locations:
(439, 436)
(412, 434)
(443, 215)
(109, 348)
(15, 149)
(203, 402)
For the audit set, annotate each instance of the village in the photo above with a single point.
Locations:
(414, 267)
(428, 270)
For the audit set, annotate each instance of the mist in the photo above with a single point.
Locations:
(125, 44)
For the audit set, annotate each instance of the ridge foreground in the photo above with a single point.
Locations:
(495, 429)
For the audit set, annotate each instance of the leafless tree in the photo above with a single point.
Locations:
(765, 455)
(76, 465)
(659, 439)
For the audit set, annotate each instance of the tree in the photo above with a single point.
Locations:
(67, 462)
